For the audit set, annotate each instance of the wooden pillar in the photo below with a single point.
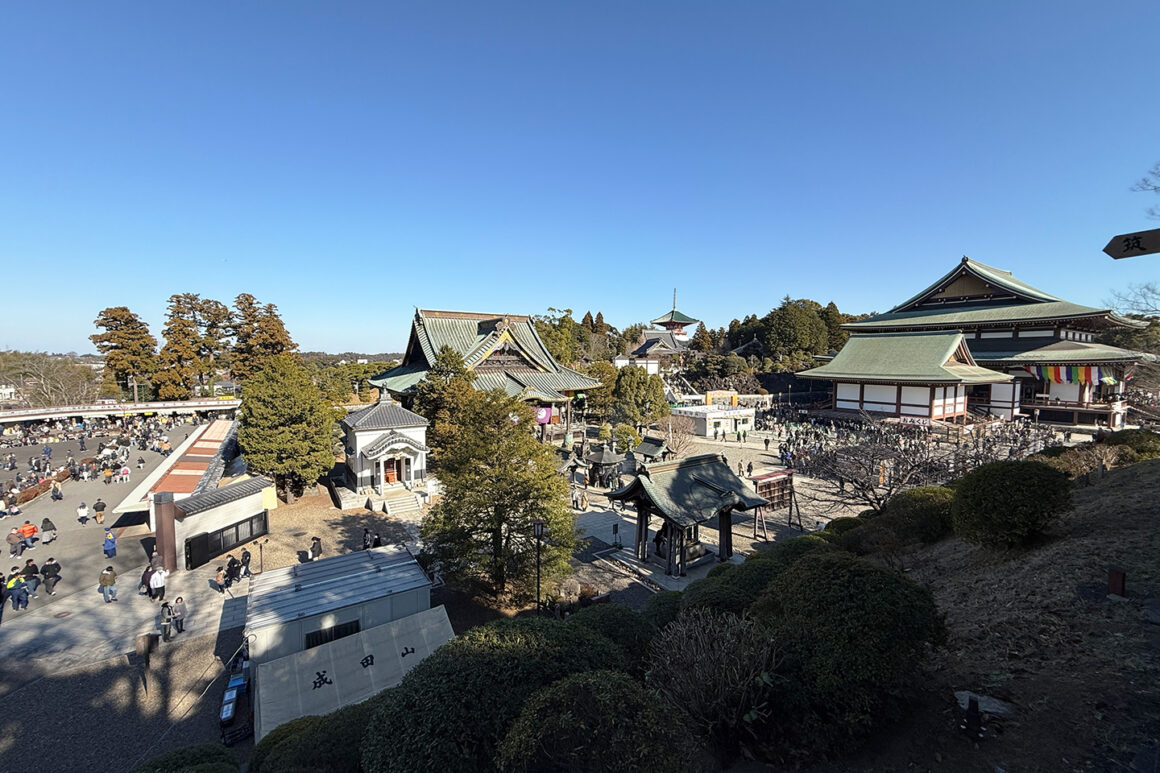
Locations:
(670, 545)
(725, 534)
(164, 517)
(641, 531)
(683, 553)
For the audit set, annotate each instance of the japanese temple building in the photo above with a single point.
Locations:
(685, 495)
(503, 351)
(674, 322)
(1040, 349)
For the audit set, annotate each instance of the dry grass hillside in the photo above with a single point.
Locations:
(1035, 628)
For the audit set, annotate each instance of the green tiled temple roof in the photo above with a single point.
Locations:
(918, 358)
(674, 316)
(474, 336)
(690, 491)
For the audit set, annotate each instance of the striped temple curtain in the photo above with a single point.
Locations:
(1071, 374)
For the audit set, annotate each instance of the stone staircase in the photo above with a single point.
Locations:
(399, 502)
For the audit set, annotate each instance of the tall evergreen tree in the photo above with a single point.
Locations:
(599, 326)
(130, 350)
(179, 362)
(588, 323)
(599, 399)
(440, 399)
(497, 480)
(701, 340)
(215, 322)
(285, 425)
(258, 335)
(638, 397)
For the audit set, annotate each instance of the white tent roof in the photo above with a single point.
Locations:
(349, 670)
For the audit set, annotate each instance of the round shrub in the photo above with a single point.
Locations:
(331, 743)
(716, 593)
(662, 608)
(1145, 443)
(623, 627)
(720, 569)
(790, 550)
(286, 730)
(1004, 504)
(842, 525)
(853, 633)
(594, 721)
(192, 758)
(452, 710)
(923, 513)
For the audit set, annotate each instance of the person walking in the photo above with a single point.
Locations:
(108, 584)
(28, 531)
(246, 558)
(48, 530)
(144, 588)
(166, 622)
(157, 584)
(98, 510)
(233, 567)
(83, 513)
(315, 548)
(178, 609)
(367, 532)
(31, 574)
(51, 574)
(110, 545)
(15, 543)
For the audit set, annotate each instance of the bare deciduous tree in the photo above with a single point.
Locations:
(1150, 183)
(682, 435)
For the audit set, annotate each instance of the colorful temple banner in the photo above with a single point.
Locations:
(1071, 374)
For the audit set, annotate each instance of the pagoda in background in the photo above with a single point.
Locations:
(675, 322)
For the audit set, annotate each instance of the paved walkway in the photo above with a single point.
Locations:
(76, 627)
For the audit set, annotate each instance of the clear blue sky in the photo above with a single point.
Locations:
(351, 160)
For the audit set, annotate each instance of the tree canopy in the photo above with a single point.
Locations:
(285, 425)
(130, 350)
(440, 398)
(638, 397)
(258, 335)
(497, 480)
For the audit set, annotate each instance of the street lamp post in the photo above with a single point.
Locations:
(538, 531)
(261, 561)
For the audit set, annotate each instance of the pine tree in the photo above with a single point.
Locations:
(600, 327)
(285, 425)
(179, 363)
(258, 335)
(440, 398)
(701, 340)
(587, 322)
(638, 397)
(497, 480)
(130, 350)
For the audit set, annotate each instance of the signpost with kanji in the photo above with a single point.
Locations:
(1131, 245)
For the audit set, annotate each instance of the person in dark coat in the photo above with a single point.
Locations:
(233, 568)
(48, 529)
(315, 548)
(146, 576)
(377, 542)
(166, 622)
(51, 574)
(367, 539)
(245, 567)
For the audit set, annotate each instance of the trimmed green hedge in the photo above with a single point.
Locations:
(452, 710)
(1004, 504)
(623, 627)
(662, 607)
(203, 758)
(328, 744)
(842, 525)
(719, 593)
(1144, 442)
(853, 633)
(594, 722)
(922, 513)
(785, 553)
